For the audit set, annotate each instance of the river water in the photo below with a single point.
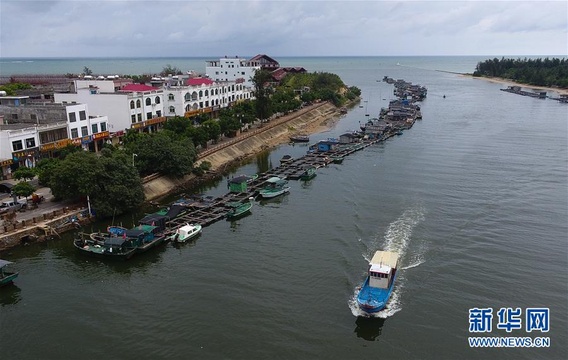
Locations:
(474, 197)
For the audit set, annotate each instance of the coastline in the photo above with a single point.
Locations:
(508, 82)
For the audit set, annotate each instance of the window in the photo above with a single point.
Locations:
(200, 93)
(138, 103)
(84, 131)
(14, 116)
(30, 143)
(17, 145)
(171, 97)
(187, 97)
(132, 104)
(33, 116)
(139, 117)
(133, 118)
(82, 115)
(158, 113)
(74, 133)
(148, 115)
(95, 128)
(157, 99)
(206, 92)
(103, 126)
(148, 101)
(72, 117)
(172, 109)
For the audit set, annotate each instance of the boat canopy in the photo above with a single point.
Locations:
(274, 179)
(115, 241)
(239, 179)
(4, 263)
(384, 260)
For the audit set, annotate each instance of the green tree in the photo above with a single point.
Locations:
(262, 91)
(87, 71)
(45, 169)
(23, 188)
(170, 70)
(24, 173)
(212, 129)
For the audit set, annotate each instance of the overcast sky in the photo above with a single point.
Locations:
(142, 28)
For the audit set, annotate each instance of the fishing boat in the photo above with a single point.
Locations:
(299, 138)
(187, 232)
(238, 209)
(275, 186)
(6, 277)
(286, 159)
(110, 247)
(308, 174)
(379, 283)
(337, 159)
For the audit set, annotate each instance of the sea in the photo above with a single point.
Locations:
(474, 198)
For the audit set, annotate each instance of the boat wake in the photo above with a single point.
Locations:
(396, 238)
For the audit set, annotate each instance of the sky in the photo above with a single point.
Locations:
(164, 28)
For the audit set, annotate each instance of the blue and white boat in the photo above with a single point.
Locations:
(378, 285)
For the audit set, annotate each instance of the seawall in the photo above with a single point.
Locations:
(248, 144)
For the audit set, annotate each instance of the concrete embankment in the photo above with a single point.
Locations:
(271, 134)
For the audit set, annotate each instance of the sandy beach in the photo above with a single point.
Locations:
(513, 83)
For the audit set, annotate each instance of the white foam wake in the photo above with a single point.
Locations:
(396, 238)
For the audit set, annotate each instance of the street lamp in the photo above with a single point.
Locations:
(133, 156)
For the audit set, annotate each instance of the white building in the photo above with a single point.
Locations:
(191, 96)
(134, 106)
(39, 130)
(231, 69)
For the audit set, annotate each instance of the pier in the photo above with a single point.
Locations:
(401, 115)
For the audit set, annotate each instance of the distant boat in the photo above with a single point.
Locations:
(238, 209)
(186, 232)
(300, 138)
(336, 159)
(378, 285)
(275, 187)
(6, 277)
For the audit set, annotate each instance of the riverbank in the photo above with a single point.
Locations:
(310, 120)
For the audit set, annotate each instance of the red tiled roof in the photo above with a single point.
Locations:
(199, 81)
(137, 87)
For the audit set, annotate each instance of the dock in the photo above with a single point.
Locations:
(206, 210)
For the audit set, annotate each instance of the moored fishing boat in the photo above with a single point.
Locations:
(275, 186)
(187, 232)
(6, 277)
(238, 209)
(299, 138)
(111, 247)
(378, 286)
(308, 174)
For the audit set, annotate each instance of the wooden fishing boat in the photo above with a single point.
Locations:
(308, 174)
(300, 138)
(275, 186)
(6, 277)
(238, 209)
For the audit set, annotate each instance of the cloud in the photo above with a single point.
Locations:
(283, 28)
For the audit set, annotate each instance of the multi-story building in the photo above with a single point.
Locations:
(31, 131)
(191, 96)
(231, 69)
(133, 106)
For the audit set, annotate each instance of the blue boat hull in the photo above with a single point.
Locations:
(372, 300)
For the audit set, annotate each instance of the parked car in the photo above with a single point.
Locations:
(10, 206)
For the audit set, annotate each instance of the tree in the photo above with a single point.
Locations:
(262, 91)
(110, 181)
(87, 71)
(23, 188)
(45, 169)
(170, 70)
(212, 129)
(24, 173)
